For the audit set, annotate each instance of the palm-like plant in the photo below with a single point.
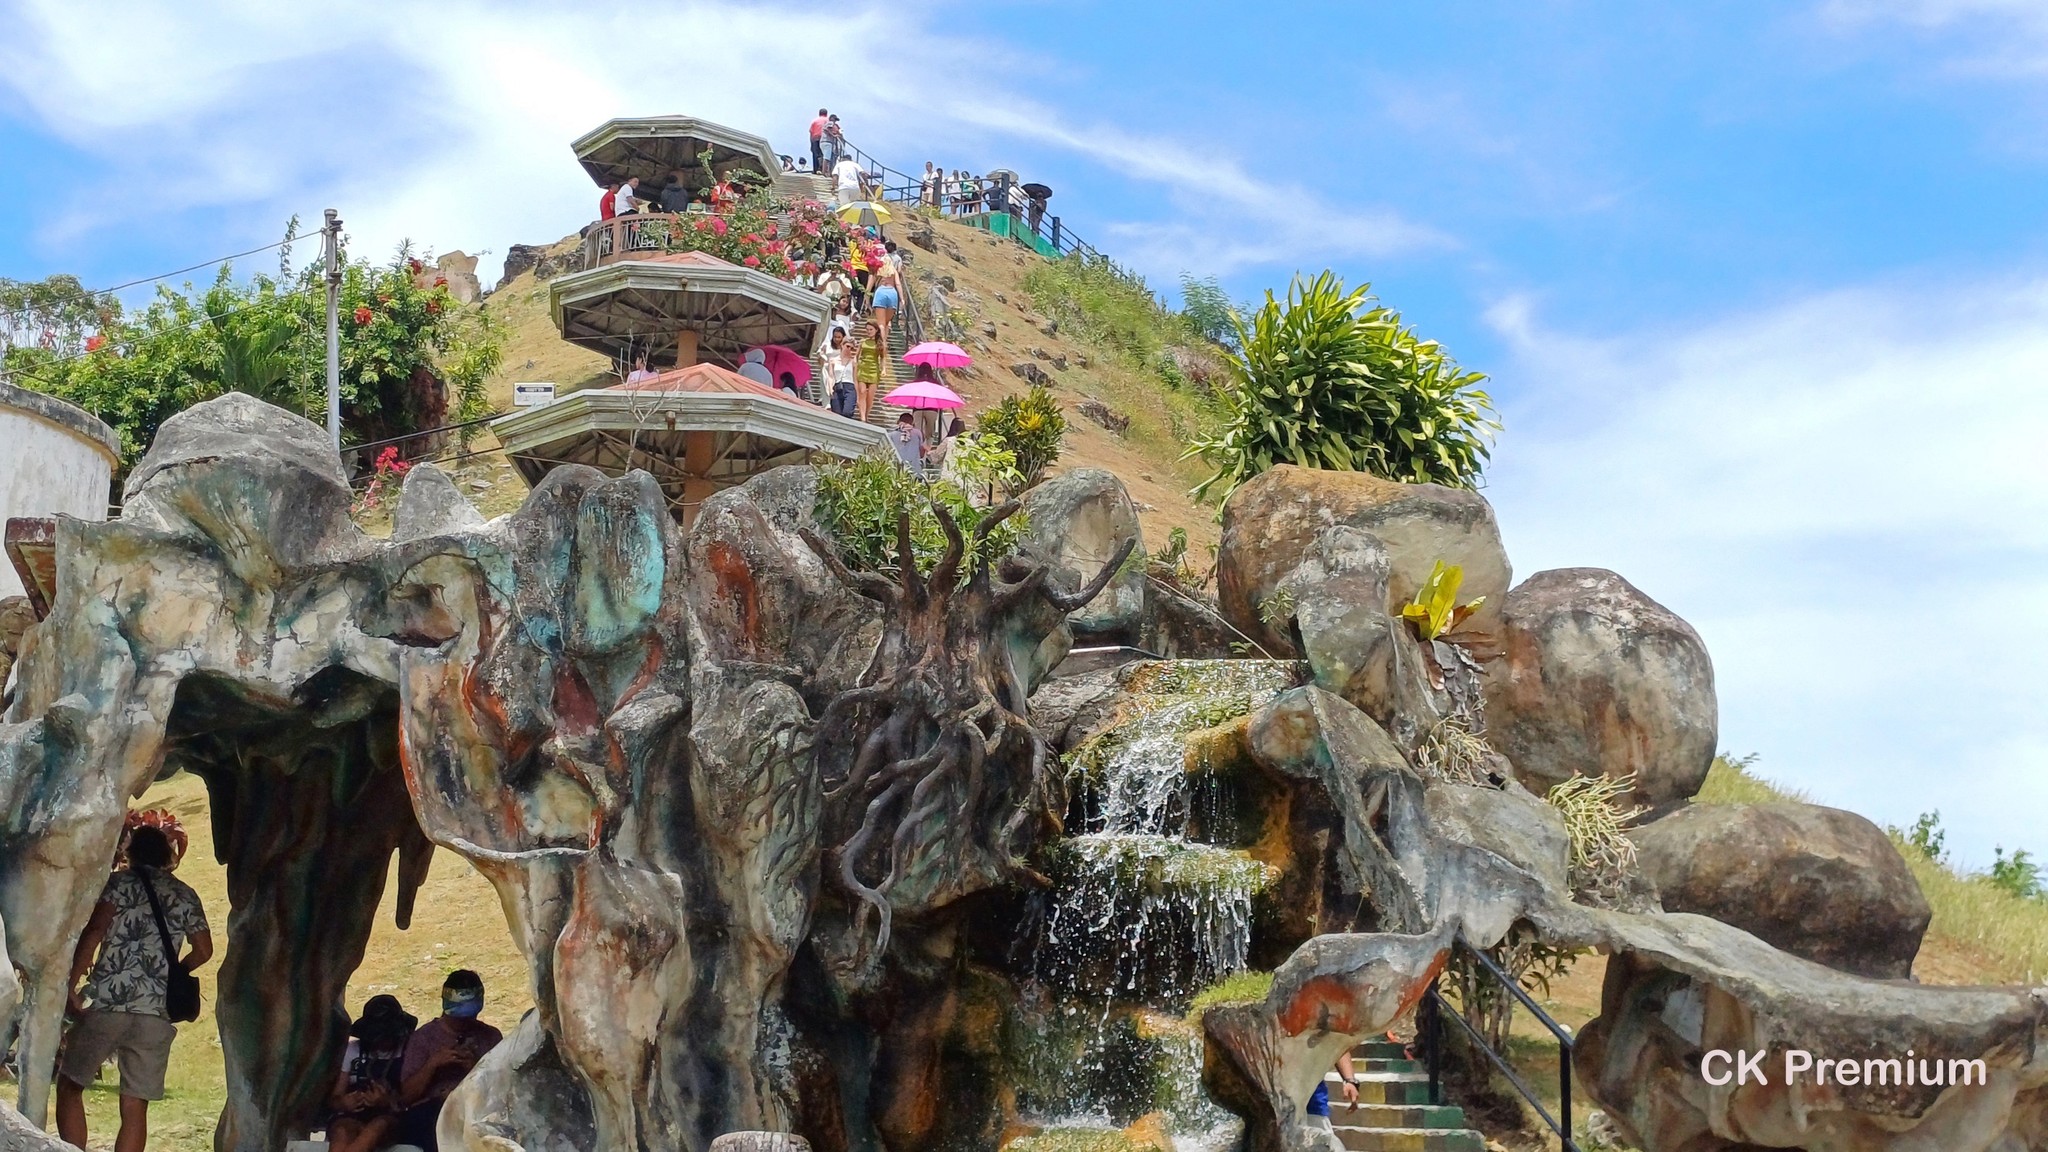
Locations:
(1332, 380)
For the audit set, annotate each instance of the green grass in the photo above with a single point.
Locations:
(1112, 312)
(2005, 936)
(1236, 988)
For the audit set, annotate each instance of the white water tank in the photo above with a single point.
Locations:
(55, 459)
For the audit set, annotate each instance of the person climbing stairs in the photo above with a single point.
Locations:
(1394, 1113)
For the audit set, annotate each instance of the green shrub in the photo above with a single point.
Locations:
(1031, 427)
(861, 502)
(1333, 380)
(400, 341)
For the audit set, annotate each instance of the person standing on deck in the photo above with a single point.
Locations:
(818, 140)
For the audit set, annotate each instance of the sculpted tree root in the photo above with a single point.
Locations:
(944, 760)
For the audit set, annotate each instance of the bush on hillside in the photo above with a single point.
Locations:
(1031, 427)
(1331, 379)
(403, 343)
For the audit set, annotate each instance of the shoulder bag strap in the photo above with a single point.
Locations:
(163, 931)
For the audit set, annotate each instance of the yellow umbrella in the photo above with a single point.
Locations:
(865, 213)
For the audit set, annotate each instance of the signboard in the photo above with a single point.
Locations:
(532, 395)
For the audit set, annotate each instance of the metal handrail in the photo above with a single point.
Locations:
(908, 189)
(1431, 1026)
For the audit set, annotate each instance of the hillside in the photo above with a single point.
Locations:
(984, 279)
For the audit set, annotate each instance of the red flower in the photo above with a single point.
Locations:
(415, 266)
(752, 261)
(433, 307)
(95, 342)
(752, 238)
(771, 229)
(718, 225)
(810, 227)
(363, 314)
(383, 298)
(440, 281)
(703, 225)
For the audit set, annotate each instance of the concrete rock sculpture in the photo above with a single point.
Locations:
(1598, 679)
(794, 848)
(1817, 882)
(1273, 519)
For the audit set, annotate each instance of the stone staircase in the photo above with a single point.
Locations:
(1394, 1113)
(894, 372)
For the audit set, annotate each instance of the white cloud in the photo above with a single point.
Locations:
(450, 123)
(1848, 497)
(2001, 38)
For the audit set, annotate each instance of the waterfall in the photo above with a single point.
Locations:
(1147, 908)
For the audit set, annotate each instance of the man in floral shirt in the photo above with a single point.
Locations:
(127, 1018)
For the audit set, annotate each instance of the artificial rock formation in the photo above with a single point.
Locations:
(794, 848)
(1598, 679)
(1273, 519)
(1817, 882)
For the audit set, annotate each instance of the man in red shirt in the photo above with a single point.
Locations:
(606, 206)
(818, 141)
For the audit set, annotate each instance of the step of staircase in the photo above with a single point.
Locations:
(1388, 1087)
(1394, 1113)
(1399, 1116)
(1410, 1139)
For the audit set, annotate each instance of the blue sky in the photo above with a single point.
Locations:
(1763, 287)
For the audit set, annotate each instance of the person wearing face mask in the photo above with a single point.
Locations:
(440, 1054)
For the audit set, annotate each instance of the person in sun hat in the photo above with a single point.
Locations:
(441, 1053)
(365, 1100)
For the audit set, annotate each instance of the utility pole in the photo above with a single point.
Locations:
(331, 248)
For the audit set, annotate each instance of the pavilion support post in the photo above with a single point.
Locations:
(686, 347)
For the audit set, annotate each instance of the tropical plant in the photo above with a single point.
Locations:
(56, 314)
(1435, 609)
(984, 463)
(402, 337)
(1453, 751)
(1208, 311)
(1031, 426)
(1926, 836)
(862, 502)
(385, 475)
(2017, 874)
(1596, 824)
(1331, 379)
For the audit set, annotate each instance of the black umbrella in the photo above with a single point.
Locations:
(1038, 191)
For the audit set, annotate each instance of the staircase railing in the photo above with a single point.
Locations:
(1056, 239)
(1434, 1010)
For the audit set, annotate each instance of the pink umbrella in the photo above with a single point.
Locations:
(924, 394)
(938, 354)
(782, 360)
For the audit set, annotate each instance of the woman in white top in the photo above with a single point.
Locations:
(840, 360)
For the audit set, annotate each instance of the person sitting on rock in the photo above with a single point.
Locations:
(365, 1100)
(441, 1053)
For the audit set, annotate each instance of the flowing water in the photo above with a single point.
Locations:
(1147, 909)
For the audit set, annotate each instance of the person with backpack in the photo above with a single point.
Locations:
(139, 988)
(366, 1101)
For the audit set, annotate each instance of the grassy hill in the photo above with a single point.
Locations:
(988, 290)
